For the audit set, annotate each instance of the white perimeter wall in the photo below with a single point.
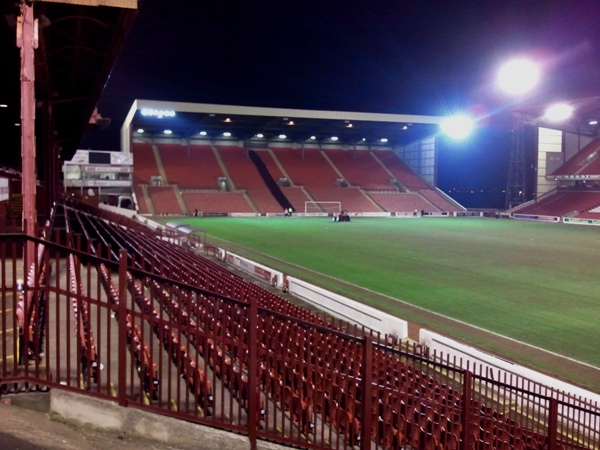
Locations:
(502, 370)
(349, 310)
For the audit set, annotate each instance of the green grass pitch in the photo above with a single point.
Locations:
(534, 282)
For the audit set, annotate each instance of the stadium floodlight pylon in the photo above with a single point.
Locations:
(313, 206)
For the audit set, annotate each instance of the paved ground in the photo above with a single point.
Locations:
(27, 425)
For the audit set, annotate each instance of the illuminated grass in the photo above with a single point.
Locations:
(534, 282)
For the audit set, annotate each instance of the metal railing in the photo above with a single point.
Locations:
(104, 328)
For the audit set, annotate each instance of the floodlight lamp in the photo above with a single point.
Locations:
(593, 122)
(291, 122)
(3, 105)
(405, 127)
(227, 120)
(227, 134)
(203, 133)
(518, 76)
(260, 135)
(364, 139)
(349, 125)
(558, 112)
(457, 127)
(140, 130)
(334, 138)
(282, 136)
(168, 132)
(384, 140)
(312, 138)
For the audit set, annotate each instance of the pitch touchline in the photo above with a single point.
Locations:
(416, 307)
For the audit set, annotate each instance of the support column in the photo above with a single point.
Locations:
(27, 42)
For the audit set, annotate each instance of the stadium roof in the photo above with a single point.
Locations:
(188, 120)
(79, 41)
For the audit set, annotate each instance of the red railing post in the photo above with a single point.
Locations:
(552, 423)
(253, 403)
(366, 389)
(122, 324)
(466, 410)
(24, 297)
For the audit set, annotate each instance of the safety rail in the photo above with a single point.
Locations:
(177, 349)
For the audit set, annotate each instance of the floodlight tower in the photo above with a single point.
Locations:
(516, 78)
(516, 184)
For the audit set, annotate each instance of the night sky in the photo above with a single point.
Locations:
(432, 57)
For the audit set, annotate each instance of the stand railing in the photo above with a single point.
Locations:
(113, 331)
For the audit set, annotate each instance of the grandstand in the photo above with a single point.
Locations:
(577, 193)
(359, 179)
(201, 343)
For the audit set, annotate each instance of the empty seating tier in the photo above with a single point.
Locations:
(216, 202)
(562, 203)
(144, 163)
(164, 199)
(403, 173)
(246, 176)
(191, 167)
(581, 162)
(360, 168)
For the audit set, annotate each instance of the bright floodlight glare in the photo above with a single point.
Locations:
(593, 122)
(260, 135)
(282, 136)
(203, 133)
(140, 130)
(168, 132)
(334, 138)
(312, 138)
(457, 127)
(518, 76)
(384, 140)
(227, 134)
(558, 112)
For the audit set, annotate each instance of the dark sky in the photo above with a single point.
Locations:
(413, 57)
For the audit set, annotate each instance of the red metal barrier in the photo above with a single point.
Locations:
(168, 346)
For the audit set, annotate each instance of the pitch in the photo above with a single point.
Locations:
(533, 282)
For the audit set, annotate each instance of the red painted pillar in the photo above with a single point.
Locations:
(27, 42)
(466, 410)
(552, 424)
(253, 403)
(122, 324)
(367, 388)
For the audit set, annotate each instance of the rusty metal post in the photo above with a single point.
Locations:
(122, 324)
(466, 409)
(552, 423)
(253, 403)
(366, 389)
(27, 42)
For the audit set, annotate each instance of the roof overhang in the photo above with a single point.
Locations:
(128, 4)
(246, 121)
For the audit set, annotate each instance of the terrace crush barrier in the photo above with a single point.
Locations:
(100, 325)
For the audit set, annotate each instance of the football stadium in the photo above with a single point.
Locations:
(294, 277)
